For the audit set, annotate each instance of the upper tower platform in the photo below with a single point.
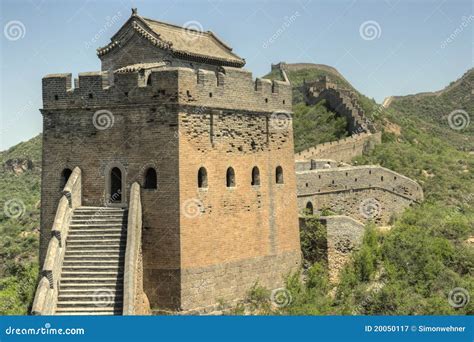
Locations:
(143, 40)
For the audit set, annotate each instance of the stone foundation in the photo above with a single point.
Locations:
(204, 289)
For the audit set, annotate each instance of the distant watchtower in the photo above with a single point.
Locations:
(211, 148)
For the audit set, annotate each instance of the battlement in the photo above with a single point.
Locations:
(341, 150)
(230, 88)
(350, 178)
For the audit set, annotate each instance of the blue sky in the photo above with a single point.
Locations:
(404, 49)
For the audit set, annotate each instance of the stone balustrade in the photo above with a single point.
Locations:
(135, 301)
(47, 290)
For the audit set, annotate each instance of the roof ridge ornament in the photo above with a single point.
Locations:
(134, 12)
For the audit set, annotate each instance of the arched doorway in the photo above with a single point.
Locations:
(65, 174)
(115, 185)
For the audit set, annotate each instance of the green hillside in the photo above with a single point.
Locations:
(317, 124)
(408, 270)
(434, 110)
(429, 250)
(19, 225)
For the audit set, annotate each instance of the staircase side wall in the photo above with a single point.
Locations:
(140, 137)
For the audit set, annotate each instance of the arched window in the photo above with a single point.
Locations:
(65, 174)
(309, 208)
(148, 81)
(116, 185)
(230, 177)
(150, 179)
(202, 178)
(279, 175)
(255, 176)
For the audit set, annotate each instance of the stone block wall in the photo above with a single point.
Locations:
(245, 233)
(363, 192)
(231, 88)
(344, 236)
(175, 122)
(342, 150)
(142, 137)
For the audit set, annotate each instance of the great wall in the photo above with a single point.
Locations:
(170, 181)
(327, 181)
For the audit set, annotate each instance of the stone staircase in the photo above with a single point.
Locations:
(91, 281)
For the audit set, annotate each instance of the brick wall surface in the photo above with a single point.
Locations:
(176, 122)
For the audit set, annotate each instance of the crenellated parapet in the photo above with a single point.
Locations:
(342, 150)
(343, 101)
(320, 181)
(231, 88)
(369, 192)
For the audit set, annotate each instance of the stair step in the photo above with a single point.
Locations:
(90, 303)
(97, 220)
(97, 226)
(92, 268)
(94, 262)
(94, 256)
(96, 231)
(88, 311)
(96, 237)
(83, 280)
(97, 297)
(105, 214)
(99, 208)
(90, 274)
(106, 252)
(89, 290)
(94, 242)
(71, 287)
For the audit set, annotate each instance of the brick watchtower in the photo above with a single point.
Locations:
(211, 148)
